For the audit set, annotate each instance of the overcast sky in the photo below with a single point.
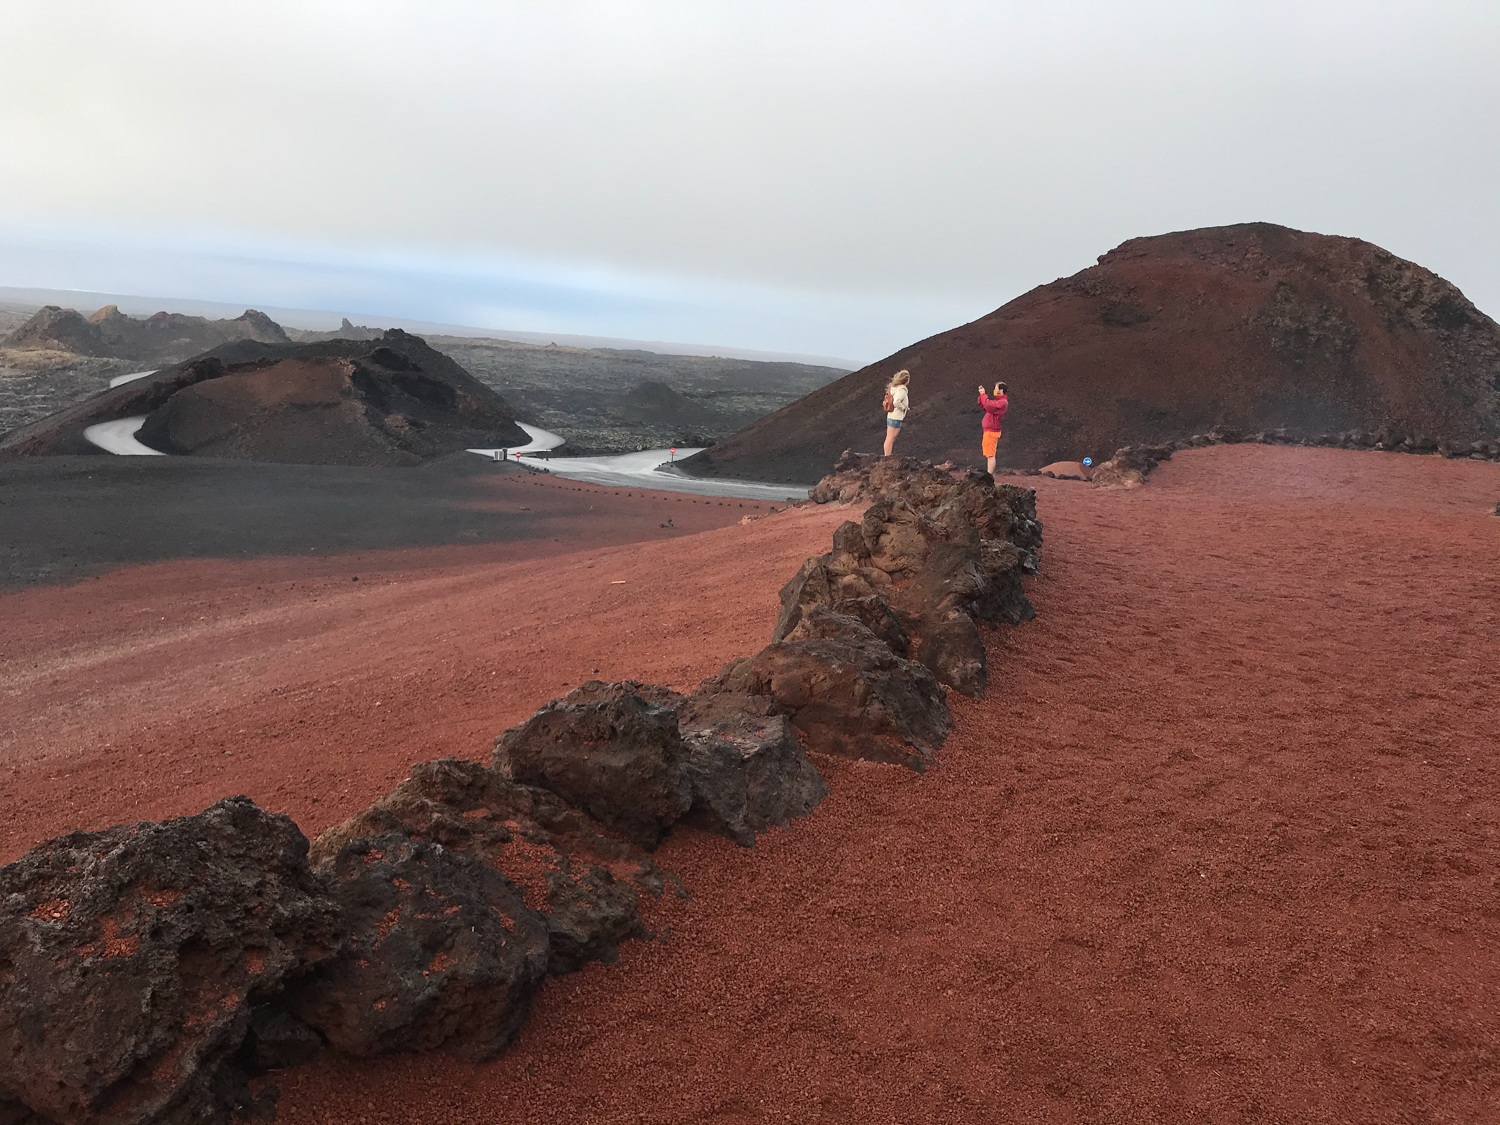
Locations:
(816, 177)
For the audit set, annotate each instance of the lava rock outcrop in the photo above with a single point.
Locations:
(745, 765)
(1255, 327)
(130, 960)
(641, 757)
(934, 556)
(584, 883)
(609, 750)
(847, 693)
(442, 953)
(393, 401)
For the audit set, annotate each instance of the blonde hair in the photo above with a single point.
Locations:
(901, 378)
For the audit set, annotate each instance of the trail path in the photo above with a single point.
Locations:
(119, 437)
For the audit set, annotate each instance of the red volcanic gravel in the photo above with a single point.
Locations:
(1220, 846)
(155, 690)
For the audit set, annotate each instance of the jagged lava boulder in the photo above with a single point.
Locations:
(852, 590)
(443, 952)
(960, 504)
(934, 554)
(846, 692)
(953, 651)
(1130, 466)
(130, 960)
(392, 401)
(745, 765)
(611, 750)
(585, 883)
(1254, 326)
(641, 757)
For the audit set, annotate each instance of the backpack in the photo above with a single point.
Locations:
(888, 403)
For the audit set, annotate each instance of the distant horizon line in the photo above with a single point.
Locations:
(313, 320)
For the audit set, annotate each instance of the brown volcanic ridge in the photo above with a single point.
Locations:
(392, 401)
(163, 336)
(1250, 327)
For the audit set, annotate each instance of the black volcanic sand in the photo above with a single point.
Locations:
(69, 518)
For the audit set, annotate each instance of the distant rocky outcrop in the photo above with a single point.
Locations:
(161, 338)
(1255, 327)
(392, 401)
(653, 401)
(345, 331)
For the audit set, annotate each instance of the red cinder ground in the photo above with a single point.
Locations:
(1220, 845)
(155, 690)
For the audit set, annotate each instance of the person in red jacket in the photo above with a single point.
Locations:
(994, 411)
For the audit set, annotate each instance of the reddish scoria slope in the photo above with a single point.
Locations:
(1253, 327)
(1219, 847)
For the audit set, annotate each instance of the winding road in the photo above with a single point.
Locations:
(644, 469)
(119, 437)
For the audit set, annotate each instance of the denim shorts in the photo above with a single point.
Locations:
(893, 423)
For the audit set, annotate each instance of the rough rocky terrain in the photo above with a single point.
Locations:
(1214, 845)
(1254, 327)
(393, 401)
(603, 400)
(607, 400)
(401, 942)
(34, 384)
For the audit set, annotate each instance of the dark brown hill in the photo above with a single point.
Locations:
(392, 401)
(1250, 327)
(163, 337)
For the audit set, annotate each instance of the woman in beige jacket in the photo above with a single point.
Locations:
(900, 404)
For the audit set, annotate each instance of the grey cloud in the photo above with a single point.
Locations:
(916, 156)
